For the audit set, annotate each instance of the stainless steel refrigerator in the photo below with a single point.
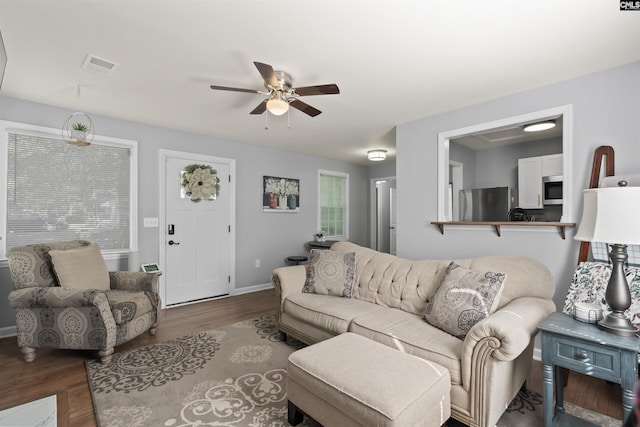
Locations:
(485, 204)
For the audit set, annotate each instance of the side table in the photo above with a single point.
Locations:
(583, 347)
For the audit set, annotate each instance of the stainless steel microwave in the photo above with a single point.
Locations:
(552, 190)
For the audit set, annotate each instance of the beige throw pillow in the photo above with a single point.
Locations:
(81, 268)
(331, 273)
(464, 298)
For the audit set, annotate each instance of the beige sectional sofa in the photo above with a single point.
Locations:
(487, 367)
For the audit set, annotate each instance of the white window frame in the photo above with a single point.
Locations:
(7, 127)
(344, 175)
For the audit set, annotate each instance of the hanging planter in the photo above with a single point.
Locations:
(78, 130)
(200, 182)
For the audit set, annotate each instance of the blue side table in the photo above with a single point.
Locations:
(585, 348)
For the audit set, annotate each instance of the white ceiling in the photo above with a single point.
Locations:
(394, 61)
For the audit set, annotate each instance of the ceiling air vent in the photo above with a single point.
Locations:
(98, 65)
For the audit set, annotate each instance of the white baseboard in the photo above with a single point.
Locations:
(249, 289)
(8, 331)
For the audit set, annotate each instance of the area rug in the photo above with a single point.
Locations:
(232, 376)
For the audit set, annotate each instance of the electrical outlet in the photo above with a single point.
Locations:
(257, 263)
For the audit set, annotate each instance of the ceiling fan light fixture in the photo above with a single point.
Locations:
(277, 106)
(377, 155)
(538, 126)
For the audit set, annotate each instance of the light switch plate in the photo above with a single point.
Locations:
(151, 222)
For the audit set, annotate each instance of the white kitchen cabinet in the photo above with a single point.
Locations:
(530, 183)
(552, 165)
(530, 173)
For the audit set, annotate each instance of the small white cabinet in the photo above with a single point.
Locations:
(530, 173)
(552, 165)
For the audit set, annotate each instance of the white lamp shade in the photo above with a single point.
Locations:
(611, 215)
(277, 106)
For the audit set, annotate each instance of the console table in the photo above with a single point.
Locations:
(325, 244)
(583, 347)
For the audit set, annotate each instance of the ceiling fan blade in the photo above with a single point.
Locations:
(305, 108)
(330, 89)
(261, 108)
(234, 89)
(267, 73)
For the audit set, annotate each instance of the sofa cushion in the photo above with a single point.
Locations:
(390, 281)
(330, 273)
(80, 268)
(127, 305)
(327, 312)
(407, 332)
(463, 299)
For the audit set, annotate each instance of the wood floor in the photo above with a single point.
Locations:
(62, 372)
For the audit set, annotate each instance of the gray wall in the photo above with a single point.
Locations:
(606, 107)
(499, 166)
(268, 237)
(467, 157)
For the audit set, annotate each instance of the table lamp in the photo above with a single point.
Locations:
(612, 215)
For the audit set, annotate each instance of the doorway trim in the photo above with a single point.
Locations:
(566, 111)
(162, 222)
(373, 233)
(457, 179)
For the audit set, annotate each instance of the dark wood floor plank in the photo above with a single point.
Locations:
(62, 372)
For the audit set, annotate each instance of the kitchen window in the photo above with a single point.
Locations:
(333, 204)
(55, 191)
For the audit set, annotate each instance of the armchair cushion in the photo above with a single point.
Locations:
(463, 299)
(589, 284)
(80, 268)
(31, 266)
(126, 305)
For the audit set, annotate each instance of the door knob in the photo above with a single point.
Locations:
(171, 243)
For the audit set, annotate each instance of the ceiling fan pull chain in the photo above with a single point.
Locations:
(266, 121)
(289, 118)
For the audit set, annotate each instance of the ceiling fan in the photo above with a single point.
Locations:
(281, 94)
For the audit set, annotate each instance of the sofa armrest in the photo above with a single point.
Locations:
(57, 297)
(133, 281)
(287, 281)
(505, 334)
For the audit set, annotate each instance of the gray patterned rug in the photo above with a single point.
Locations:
(232, 376)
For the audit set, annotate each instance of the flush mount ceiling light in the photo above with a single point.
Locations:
(277, 106)
(377, 155)
(537, 127)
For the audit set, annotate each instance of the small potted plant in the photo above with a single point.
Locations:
(79, 131)
(319, 236)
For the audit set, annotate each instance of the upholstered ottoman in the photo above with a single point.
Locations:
(350, 380)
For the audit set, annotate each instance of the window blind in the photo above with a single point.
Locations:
(57, 191)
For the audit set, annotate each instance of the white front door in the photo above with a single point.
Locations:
(197, 235)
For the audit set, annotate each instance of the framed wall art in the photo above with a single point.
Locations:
(280, 194)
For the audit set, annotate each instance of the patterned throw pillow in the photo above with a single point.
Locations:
(330, 273)
(464, 298)
(589, 284)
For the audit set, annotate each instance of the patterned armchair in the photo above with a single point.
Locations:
(49, 315)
